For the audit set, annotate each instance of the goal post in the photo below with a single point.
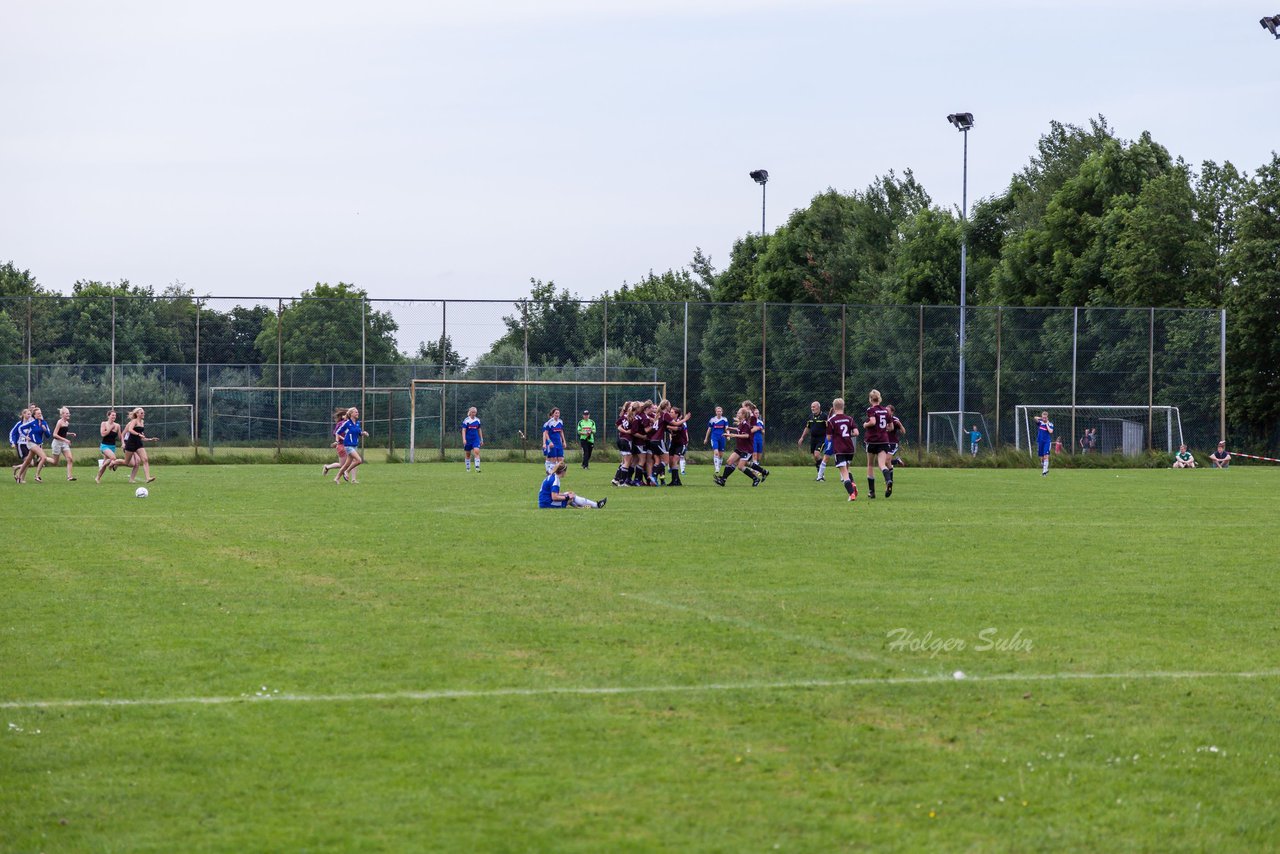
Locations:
(1129, 430)
(252, 416)
(949, 429)
(168, 421)
(513, 411)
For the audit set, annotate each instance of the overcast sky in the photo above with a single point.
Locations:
(453, 150)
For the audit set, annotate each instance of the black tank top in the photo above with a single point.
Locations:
(112, 438)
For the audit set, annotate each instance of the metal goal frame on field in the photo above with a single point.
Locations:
(1024, 413)
(961, 431)
(123, 411)
(352, 391)
(659, 392)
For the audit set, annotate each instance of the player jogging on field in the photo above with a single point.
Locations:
(879, 437)
(35, 432)
(1044, 441)
(899, 430)
(350, 432)
(816, 429)
(716, 428)
(841, 430)
(61, 445)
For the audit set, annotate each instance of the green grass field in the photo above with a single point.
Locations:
(255, 659)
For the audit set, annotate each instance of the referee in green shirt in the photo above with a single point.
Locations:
(587, 436)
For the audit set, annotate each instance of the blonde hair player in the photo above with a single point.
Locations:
(879, 440)
(61, 445)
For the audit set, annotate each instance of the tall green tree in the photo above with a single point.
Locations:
(324, 327)
(1253, 308)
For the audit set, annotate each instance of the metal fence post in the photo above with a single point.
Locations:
(920, 383)
(605, 389)
(29, 336)
(764, 360)
(279, 374)
(1075, 337)
(844, 328)
(524, 310)
(195, 401)
(113, 350)
(684, 394)
(1222, 375)
(1151, 371)
(999, 318)
(444, 369)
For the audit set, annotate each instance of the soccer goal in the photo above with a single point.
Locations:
(949, 429)
(513, 411)
(169, 422)
(1129, 430)
(256, 416)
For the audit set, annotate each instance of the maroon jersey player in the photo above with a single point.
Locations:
(622, 424)
(841, 430)
(879, 438)
(740, 459)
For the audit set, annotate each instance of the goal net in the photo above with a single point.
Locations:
(297, 416)
(172, 423)
(1130, 430)
(947, 431)
(512, 412)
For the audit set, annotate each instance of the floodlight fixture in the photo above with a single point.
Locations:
(761, 177)
(1271, 25)
(962, 121)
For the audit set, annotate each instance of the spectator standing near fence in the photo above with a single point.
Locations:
(974, 438)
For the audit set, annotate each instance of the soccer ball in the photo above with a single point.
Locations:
(141, 492)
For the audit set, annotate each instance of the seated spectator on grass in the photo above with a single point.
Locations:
(1220, 459)
(1183, 459)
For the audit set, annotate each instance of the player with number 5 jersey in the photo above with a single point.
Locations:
(879, 439)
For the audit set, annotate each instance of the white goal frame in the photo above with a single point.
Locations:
(150, 407)
(1023, 415)
(659, 388)
(978, 416)
(353, 390)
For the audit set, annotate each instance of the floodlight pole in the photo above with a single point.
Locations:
(761, 177)
(963, 122)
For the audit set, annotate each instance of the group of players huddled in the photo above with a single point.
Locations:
(652, 441)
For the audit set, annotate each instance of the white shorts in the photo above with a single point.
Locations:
(59, 447)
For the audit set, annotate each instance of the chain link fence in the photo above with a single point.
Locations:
(271, 372)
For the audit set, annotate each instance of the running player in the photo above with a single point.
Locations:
(109, 432)
(36, 430)
(879, 437)
(135, 435)
(339, 416)
(18, 437)
(472, 439)
(551, 496)
(816, 429)
(61, 444)
(740, 459)
(716, 428)
(350, 432)
(896, 437)
(553, 440)
(842, 430)
(1044, 441)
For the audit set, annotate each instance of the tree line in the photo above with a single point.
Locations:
(1093, 220)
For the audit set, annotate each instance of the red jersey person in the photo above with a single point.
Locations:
(879, 438)
(841, 431)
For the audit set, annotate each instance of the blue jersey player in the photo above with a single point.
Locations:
(550, 495)
(553, 440)
(472, 439)
(1044, 441)
(716, 428)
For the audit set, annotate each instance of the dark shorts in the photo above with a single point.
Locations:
(132, 444)
(654, 447)
(624, 446)
(23, 450)
(893, 448)
(844, 459)
(817, 443)
(678, 450)
(880, 448)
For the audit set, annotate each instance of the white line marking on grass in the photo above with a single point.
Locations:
(622, 690)
(815, 643)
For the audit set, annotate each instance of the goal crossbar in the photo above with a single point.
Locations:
(659, 388)
(1022, 414)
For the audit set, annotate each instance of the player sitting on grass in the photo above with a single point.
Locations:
(1183, 459)
(551, 496)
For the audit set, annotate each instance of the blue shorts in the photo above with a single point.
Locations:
(554, 505)
(105, 448)
(757, 444)
(717, 443)
(351, 449)
(1042, 450)
(826, 448)
(553, 452)
(471, 446)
